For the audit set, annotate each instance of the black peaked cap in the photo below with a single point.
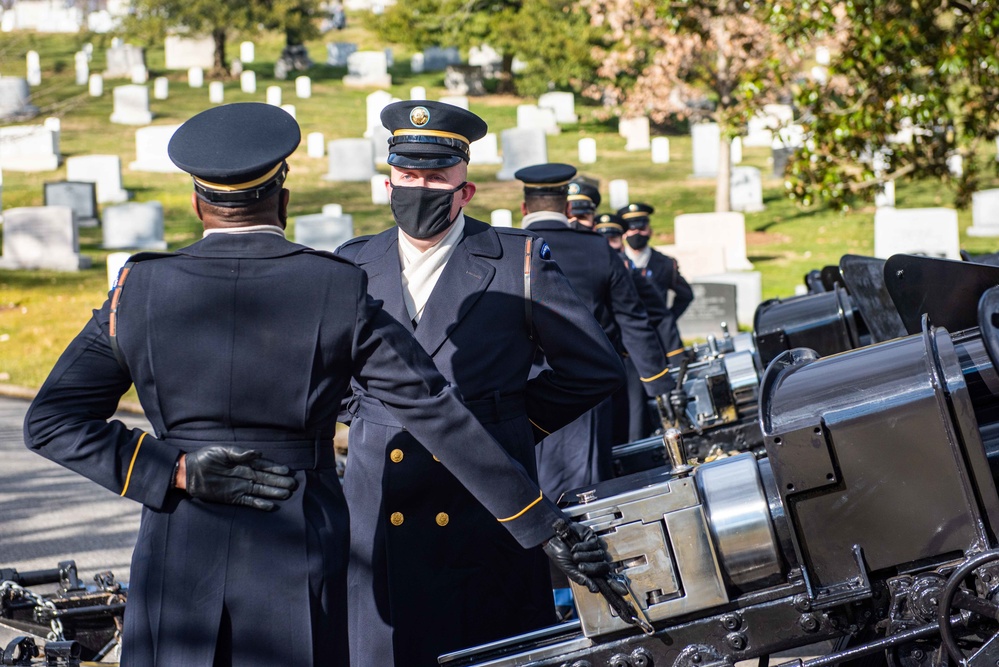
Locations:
(583, 197)
(635, 215)
(430, 135)
(550, 177)
(608, 224)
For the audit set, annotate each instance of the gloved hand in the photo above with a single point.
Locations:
(582, 557)
(678, 400)
(234, 476)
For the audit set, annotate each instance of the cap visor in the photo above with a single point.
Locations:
(429, 162)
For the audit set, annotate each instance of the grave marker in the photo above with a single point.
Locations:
(660, 150)
(248, 81)
(316, 144)
(984, 213)
(916, 231)
(485, 150)
(713, 304)
(706, 141)
(522, 148)
(636, 133)
(725, 229)
(131, 105)
(323, 232)
(104, 171)
(79, 196)
(618, 193)
(351, 160)
(587, 150)
(501, 217)
(151, 149)
(28, 148)
(41, 237)
(135, 225)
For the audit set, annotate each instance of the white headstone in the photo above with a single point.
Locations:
(926, 231)
(984, 213)
(195, 77)
(417, 93)
(735, 150)
(485, 150)
(822, 56)
(323, 232)
(618, 193)
(121, 58)
(41, 237)
(216, 92)
(725, 229)
(660, 150)
(758, 132)
(79, 196)
(636, 133)
(351, 160)
(333, 210)
(587, 150)
(161, 88)
(501, 217)
(416, 63)
(303, 87)
(955, 165)
(746, 189)
(151, 149)
(96, 85)
(82, 64)
(15, 99)
(696, 260)
(34, 69)
(290, 110)
(487, 58)
(247, 52)
(563, 104)
(522, 148)
(316, 144)
(274, 95)
(140, 74)
(182, 52)
(115, 261)
(379, 141)
(885, 194)
(706, 142)
(136, 225)
(367, 68)
(131, 105)
(104, 170)
(455, 101)
(375, 102)
(248, 81)
(532, 116)
(436, 59)
(337, 53)
(28, 148)
(54, 124)
(379, 193)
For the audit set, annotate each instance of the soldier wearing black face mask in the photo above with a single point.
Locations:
(659, 269)
(431, 571)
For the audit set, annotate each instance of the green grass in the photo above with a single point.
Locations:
(41, 311)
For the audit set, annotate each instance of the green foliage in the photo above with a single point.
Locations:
(552, 37)
(916, 81)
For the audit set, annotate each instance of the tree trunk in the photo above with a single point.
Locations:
(505, 84)
(221, 67)
(723, 198)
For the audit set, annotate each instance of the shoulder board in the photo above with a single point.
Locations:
(143, 256)
(328, 255)
(513, 231)
(356, 240)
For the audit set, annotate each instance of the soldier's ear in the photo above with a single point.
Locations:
(523, 208)
(196, 206)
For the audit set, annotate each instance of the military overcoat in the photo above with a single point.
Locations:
(250, 340)
(430, 570)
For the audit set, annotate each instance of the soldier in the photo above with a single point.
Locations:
(639, 422)
(584, 199)
(580, 453)
(661, 270)
(430, 570)
(241, 346)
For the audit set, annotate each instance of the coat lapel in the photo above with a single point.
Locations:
(380, 260)
(464, 279)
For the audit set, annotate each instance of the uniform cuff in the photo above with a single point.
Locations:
(149, 477)
(534, 524)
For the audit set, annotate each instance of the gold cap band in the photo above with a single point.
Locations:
(222, 187)
(635, 214)
(580, 198)
(430, 133)
(546, 185)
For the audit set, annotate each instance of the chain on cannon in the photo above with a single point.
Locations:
(15, 590)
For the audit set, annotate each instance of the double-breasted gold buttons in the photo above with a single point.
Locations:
(396, 518)
(396, 455)
(442, 519)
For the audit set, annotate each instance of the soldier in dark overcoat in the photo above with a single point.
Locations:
(430, 572)
(580, 453)
(241, 347)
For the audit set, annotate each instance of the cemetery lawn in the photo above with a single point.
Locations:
(40, 311)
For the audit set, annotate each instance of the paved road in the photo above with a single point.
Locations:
(48, 513)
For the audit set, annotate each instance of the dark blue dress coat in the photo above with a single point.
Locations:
(431, 571)
(663, 272)
(580, 454)
(252, 340)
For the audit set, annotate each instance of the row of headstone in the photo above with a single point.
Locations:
(184, 52)
(15, 100)
(434, 59)
(42, 16)
(367, 69)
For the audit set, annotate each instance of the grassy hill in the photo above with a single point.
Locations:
(41, 311)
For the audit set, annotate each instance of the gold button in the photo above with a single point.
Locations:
(437, 459)
(442, 519)
(396, 518)
(396, 455)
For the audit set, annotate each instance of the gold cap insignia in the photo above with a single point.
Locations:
(633, 207)
(419, 116)
(574, 188)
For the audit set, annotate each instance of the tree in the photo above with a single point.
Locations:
(718, 60)
(153, 18)
(552, 37)
(912, 84)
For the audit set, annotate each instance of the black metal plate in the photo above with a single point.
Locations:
(865, 280)
(945, 289)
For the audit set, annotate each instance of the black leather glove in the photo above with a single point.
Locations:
(678, 400)
(234, 476)
(582, 556)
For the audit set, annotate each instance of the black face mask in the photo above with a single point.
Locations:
(422, 212)
(637, 241)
